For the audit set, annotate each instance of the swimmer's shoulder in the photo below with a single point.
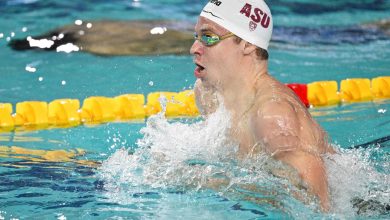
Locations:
(272, 113)
(275, 103)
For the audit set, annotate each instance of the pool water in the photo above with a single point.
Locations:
(119, 172)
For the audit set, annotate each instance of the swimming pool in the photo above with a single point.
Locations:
(104, 182)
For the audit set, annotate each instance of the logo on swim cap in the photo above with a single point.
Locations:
(257, 15)
(216, 2)
(252, 26)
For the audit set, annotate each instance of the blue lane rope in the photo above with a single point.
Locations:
(380, 142)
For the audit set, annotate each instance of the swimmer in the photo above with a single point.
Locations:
(231, 56)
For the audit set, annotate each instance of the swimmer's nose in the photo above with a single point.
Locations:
(196, 48)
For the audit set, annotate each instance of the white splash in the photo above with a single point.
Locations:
(31, 69)
(136, 3)
(382, 111)
(158, 30)
(42, 43)
(182, 156)
(78, 22)
(61, 216)
(352, 175)
(68, 48)
(168, 154)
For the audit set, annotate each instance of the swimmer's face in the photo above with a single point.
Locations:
(213, 63)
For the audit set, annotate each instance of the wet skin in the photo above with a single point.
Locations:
(266, 116)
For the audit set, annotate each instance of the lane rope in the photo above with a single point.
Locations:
(99, 109)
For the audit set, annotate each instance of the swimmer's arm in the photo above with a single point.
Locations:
(276, 126)
(312, 171)
(205, 97)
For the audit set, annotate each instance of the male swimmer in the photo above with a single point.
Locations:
(231, 57)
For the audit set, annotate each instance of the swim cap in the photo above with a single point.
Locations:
(250, 20)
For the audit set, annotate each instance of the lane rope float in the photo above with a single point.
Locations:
(99, 109)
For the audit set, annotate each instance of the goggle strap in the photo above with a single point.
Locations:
(226, 36)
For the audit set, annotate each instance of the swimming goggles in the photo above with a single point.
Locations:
(210, 39)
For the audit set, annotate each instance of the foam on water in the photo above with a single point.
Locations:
(353, 175)
(174, 154)
(187, 157)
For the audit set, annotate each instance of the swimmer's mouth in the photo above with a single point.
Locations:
(199, 70)
(199, 67)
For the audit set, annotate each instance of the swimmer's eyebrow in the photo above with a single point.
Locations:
(206, 28)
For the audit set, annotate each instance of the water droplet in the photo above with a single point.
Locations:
(158, 30)
(40, 79)
(61, 217)
(151, 83)
(12, 34)
(63, 82)
(78, 22)
(136, 3)
(89, 25)
(1, 35)
(42, 43)
(30, 69)
(24, 29)
(67, 48)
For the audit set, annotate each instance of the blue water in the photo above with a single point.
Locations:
(312, 41)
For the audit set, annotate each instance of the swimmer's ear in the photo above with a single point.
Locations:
(249, 48)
